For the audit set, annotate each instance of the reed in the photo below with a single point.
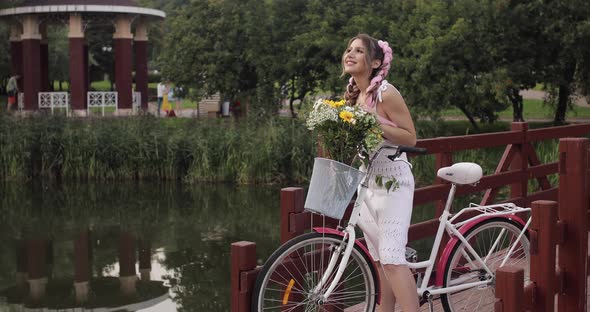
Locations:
(191, 150)
(246, 151)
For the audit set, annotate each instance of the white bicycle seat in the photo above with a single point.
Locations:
(461, 173)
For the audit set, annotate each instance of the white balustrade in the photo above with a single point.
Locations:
(21, 101)
(54, 100)
(102, 100)
(136, 101)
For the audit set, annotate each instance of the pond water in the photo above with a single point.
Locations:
(175, 237)
(66, 243)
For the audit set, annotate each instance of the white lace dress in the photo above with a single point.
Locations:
(386, 228)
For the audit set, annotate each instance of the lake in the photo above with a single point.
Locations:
(131, 246)
(175, 237)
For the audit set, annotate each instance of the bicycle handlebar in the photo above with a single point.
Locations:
(413, 150)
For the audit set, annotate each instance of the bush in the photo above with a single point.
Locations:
(190, 150)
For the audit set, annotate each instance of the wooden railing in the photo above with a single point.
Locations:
(517, 166)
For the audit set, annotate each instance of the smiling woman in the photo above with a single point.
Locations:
(368, 61)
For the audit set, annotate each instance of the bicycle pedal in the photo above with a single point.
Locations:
(411, 255)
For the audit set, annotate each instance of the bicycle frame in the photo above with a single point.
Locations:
(455, 230)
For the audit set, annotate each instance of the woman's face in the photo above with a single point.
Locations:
(354, 61)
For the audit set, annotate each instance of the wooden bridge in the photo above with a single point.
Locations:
(558, 233)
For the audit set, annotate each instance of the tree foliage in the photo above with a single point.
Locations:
(476, 56)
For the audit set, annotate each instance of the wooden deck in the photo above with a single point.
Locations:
(438, 305)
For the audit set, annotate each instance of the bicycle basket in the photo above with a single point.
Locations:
(331, 187)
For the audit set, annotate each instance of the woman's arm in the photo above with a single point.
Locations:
(395, 109)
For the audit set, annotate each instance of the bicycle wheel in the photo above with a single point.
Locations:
(492, 240)
(289, 277)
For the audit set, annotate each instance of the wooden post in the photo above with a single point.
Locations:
(543, 236)
(573, 211)
(292, 201)
(509, 290)
(520, 163)
(243, 260)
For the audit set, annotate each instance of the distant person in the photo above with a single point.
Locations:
(12, 90)
(161, 92)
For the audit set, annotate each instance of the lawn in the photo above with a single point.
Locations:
(533, 109)
(103, 85)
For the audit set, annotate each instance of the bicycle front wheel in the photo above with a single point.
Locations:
(288, 280)
(493, 240)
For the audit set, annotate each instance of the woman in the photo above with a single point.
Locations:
(367, 61)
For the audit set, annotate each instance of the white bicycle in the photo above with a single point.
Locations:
(330, 270)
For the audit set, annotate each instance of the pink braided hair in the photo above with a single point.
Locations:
(378, 50)
(384, 70)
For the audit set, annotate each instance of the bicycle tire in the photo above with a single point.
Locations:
(290, 274)
(482, 298)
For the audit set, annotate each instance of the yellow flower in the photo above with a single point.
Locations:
(347, 116)
(334, 104)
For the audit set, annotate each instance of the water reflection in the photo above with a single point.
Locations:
(127, 246)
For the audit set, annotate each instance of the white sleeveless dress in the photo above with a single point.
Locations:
(386, 228)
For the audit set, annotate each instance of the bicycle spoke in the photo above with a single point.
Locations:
(493, 241)
(288, 284)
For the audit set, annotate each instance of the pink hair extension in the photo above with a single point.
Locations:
(376, 81)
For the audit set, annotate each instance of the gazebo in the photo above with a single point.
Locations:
(29, 53)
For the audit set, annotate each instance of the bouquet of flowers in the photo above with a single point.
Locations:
(343, 130)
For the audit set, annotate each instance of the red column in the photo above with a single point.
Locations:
(141, 71)
(82, 257)
(44, 51)
(77, 74)
(124, 67)
(31, 73)
(145, 258)
(86, 68)
(16, 58)
(37, 267)
(21, 264)
(127, 259)
(82, 266)
(31, 41)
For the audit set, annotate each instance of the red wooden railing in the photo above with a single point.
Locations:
(518, 165)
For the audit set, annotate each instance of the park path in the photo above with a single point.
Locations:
(540, 95)
(527, 94)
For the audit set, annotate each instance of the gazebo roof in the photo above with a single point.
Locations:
(80, 6)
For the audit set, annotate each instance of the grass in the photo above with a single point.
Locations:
(533, 109)
(103, 85)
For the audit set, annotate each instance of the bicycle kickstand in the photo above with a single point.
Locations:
(429, 297)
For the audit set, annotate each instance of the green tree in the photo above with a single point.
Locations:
(564, 37)
(446, 58)
(59, 54)
(101, 52)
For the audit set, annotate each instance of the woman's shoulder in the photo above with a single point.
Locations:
(387, 91)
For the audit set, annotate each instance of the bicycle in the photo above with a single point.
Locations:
(330, 270)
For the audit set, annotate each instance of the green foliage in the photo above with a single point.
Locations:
(251, 151)
(472, 55)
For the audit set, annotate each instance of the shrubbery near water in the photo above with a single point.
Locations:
(244, 151)
(279, 150)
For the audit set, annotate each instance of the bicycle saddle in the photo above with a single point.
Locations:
(461, 173)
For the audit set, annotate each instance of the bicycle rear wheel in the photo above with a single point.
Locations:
(289, 277)
(492, 240)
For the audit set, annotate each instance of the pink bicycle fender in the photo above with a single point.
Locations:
(451, 244)
(323, 230)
